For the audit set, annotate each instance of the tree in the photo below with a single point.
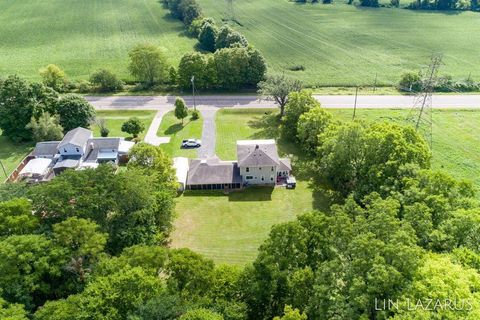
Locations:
(133, 126)
(201, 314)
(278, 87)
(238, 67)
(29, 266)
(19, 101)
(198, 65)
(208, 34)
(12, 311)
(16, 218)
(53, 77)
(181, 110)
(363, 158)
(102, 125)
(75, 111)
(190, 10)
(298, 103)
(46, 128)
(410, 81)
(148, 64)
(106, 81)
(228, 38)
(291, 314)
(310, 126)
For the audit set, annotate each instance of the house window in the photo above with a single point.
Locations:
(272, 169)
(64, 150)
(78, 150)
(249, 177)
(260, 168)
(262, 179)
(247, 169)
(271, 178)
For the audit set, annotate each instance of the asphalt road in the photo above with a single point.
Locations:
(252, 101)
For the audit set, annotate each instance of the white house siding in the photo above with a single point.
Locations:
(255, 174)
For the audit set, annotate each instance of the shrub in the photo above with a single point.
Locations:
(84, 86)
(195, 115)
(133, 126)
(46, 128)
(410, 81)
(106, 81)
(53, 77)
(228, 38)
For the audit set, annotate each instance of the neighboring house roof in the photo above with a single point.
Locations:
(77, 137)
(67, 163)
(106, 148)
(36, 167)
(252, 153)
(125, 146)
(213, 171)
(285, 165)
(46, 148)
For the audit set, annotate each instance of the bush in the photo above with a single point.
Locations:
(53, 77)
(410, 81)
(133, 126)
(46, 128)
(106, 81)
(195, 115)
(84, 86)
(228, 38)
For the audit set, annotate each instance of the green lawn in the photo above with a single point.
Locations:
(11, 154)
(82, 36)
(340, 44)
(115, 118)
(229, 229)
(455, 143)
(174, 128)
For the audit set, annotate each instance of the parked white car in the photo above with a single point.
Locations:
(191, 143)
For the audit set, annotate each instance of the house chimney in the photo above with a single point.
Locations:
(257, 146)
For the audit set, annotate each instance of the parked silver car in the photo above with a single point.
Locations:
(191, 143)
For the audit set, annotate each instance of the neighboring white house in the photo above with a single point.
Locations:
(259, 162)
(78, 150)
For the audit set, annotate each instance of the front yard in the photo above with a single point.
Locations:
(115, 118)
(173, 128)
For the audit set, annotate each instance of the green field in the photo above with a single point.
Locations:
(82, 36)
(115, 118)
(177, 132)
(346, 45)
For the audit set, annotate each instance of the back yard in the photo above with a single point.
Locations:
(11, 154)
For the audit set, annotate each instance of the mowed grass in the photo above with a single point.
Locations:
(115, 118)
(339, 44)
(82, 36)
(11, 153)
(230, 228)
(455, 142)
(177, 132)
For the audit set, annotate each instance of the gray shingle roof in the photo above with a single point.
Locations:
(77, 137)
(251, 153)
(46, 148)
(285, 165)
(96, 144)
(213, 171)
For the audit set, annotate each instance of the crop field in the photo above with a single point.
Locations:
(346, 45)
(82, 36)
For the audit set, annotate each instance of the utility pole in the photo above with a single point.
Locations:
(193, 92)
(375, 82)
(355, 104)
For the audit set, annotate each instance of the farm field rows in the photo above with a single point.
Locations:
(82, 36)
(340, 44)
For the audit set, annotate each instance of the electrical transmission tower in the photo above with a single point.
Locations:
(230, 10)
(421, 112)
